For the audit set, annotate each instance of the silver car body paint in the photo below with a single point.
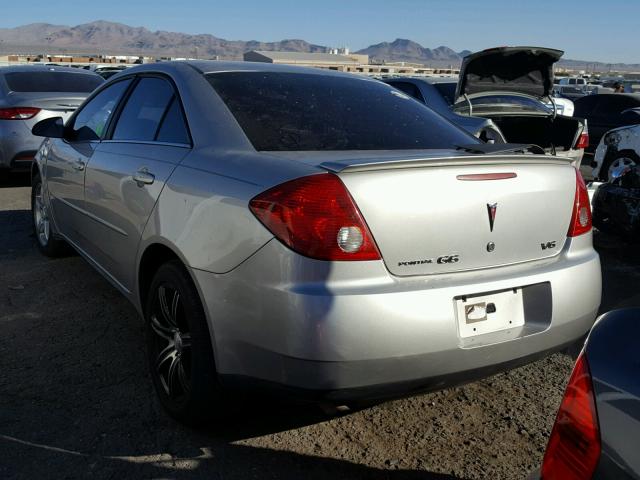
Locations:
(280, 317)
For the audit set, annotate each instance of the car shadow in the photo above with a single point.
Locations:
(10, 179)
(16, 233)
(76, 400)
(226, 461)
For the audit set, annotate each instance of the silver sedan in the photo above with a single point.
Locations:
(313, 232)
(30, 93)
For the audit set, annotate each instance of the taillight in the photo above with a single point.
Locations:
(574, 446)
(581, 216)
(316, 217)
(18, 113)
(583, 139)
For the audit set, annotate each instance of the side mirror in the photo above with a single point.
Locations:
(49, 127)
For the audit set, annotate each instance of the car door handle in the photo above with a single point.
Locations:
(78, 165)
(143, 177)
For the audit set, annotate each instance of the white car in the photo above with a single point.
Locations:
(618, 150)
(563, 106)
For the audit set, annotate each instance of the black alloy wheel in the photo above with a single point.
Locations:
(179, 347)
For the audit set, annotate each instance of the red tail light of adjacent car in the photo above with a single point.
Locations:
(574, 446)
(316, 217)
(583, 139)
(18, 113)
(581, 216)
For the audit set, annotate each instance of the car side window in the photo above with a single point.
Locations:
(174, 127)
(408, 88)
(145, 108)
(90, 123)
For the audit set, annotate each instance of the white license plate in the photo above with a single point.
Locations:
(489, 313)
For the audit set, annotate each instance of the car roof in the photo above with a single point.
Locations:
(216, 66)
(43, 68)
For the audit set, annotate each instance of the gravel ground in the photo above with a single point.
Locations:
(76, 400)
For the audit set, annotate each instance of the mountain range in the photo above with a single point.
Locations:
(103, 37)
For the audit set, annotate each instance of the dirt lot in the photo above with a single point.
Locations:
(76, 400)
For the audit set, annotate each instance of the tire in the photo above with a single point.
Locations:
(179, 347)
(627, 157)
(46, 239)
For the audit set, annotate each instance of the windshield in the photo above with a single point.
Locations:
(502, 104)
(52, 82)
(297, 112)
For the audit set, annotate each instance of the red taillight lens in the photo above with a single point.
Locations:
(583, 140)
(18, 113)
(574, 446)
(316, 217)
(581, 216)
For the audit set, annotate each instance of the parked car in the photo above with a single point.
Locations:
(616, 204)
(597, 429)
(605, 112)
(510, 85)
(562, 106)
(29, 94)
(618, 149)
(577, 81)
(314, 232)
(437, 94)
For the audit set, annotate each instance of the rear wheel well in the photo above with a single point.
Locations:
(153, 257)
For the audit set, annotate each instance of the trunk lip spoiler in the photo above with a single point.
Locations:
(443, 161)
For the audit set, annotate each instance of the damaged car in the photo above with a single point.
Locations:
(618, 149)
(616, 205)
(510, 86)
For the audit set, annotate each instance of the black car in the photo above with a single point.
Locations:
(616, 205)
(597, 431)
(605, 111)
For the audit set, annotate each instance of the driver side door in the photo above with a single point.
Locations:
(68, 157)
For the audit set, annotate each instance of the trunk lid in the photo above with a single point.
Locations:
(525, 70)
(51, 105)
(438, 216)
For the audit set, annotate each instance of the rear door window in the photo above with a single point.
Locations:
(52, 82)
(91, 120)
(173, 128)
(144, 111)
(299, 111)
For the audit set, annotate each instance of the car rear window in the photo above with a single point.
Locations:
(447, 90)
(52, 82)
(298, 112)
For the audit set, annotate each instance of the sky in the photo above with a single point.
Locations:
(586, 30)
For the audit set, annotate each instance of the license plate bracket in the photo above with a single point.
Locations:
(490, 312)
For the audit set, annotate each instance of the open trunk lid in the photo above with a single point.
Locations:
(431, 217)
(525, 70)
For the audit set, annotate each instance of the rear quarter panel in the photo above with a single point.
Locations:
(612, 354)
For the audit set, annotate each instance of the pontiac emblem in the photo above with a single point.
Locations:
(491, 210)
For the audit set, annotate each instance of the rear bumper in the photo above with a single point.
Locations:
(351, 330)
